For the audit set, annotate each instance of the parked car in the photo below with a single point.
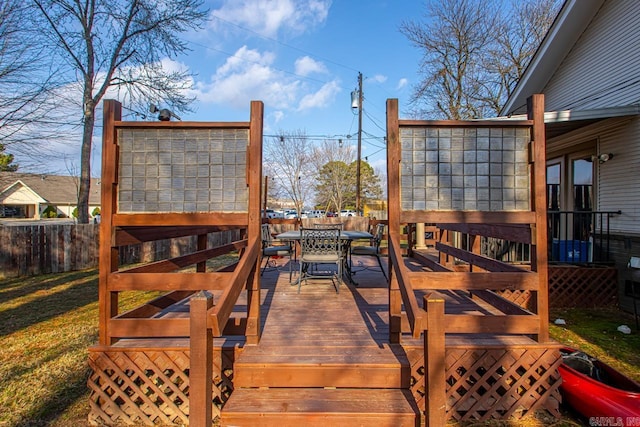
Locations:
(273, 214)
(316, 214)
(290, 214)
(347, 212)
(331, 214)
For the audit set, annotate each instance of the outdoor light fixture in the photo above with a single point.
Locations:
(601, 158)
(164, 115)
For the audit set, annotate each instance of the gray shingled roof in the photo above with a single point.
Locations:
(55, 189)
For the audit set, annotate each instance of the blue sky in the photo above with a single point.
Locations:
(302, 58)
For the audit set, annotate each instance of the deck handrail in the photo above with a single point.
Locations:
(415, 314)
(220, 312)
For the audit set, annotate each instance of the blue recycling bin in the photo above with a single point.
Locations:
(572, 251)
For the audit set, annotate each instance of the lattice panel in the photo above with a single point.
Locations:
(494, 383)
(525, 299)
(149, 387)
(582, 287)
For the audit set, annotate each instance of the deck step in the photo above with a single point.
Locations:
(309, 407)
(327, 366)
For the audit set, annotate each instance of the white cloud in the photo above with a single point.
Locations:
(270, 17)
(306, 65)
(321, 98)
(245, 76)
(402, 83)
(378, 78)
(276, 116)
(249, 74)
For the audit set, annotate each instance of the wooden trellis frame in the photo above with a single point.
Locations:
(486, 178)
(165, 180)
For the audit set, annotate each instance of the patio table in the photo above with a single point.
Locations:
(346, 236)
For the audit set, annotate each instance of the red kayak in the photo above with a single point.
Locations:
(596, 390)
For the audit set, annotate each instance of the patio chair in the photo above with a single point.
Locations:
(269, 249)
(338, 225)
(373, 250)
(320, 246)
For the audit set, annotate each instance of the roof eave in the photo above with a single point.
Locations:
(572, 20)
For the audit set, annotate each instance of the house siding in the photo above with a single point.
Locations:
(619, 179)
(608, 47)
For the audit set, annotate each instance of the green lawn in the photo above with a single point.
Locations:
(48, 322)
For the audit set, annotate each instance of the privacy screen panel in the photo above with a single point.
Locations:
(182, 170)
(464, 168)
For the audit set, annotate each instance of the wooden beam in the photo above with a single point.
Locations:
(393, 204)
(414, 314)
(108, 262)
(467, 123)
(479, 260)
(200, 361)
(172, 264)
(134, 235)
(169, 282)
(535, 112)
(435, 366)
(233, 286)
(501, 303)
(156, 328)
(482, 324)
(182, 125)
(156, 305)
(181, 219)
(254, 181)
(474, 280)
(478, 217)
(429, 263)
(513, 232)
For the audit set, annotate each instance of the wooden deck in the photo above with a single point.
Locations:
(429, 345)
(325, 357)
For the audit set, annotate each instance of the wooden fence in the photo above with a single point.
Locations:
(41, 249)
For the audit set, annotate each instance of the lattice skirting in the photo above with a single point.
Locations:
(494, 383)
(582, 287)
(150, 387)
(571, 286)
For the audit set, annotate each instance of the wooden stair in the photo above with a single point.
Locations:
(321, 386)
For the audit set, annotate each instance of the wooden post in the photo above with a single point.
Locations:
(393, 197)
(254, 227)
(200, 361)
(108, 301)
(535, 112)
(201, 267)
(434, 363)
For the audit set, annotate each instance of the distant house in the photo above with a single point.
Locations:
(35, 196)
(588, 68)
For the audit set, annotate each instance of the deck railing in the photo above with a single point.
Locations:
(580, 237)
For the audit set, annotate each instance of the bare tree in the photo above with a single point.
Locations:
(287, 160)
(474, 53)
(452, 39)
(118, 44)
(517, 37)
(24, 86)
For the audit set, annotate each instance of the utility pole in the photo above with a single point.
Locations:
(358, 187)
